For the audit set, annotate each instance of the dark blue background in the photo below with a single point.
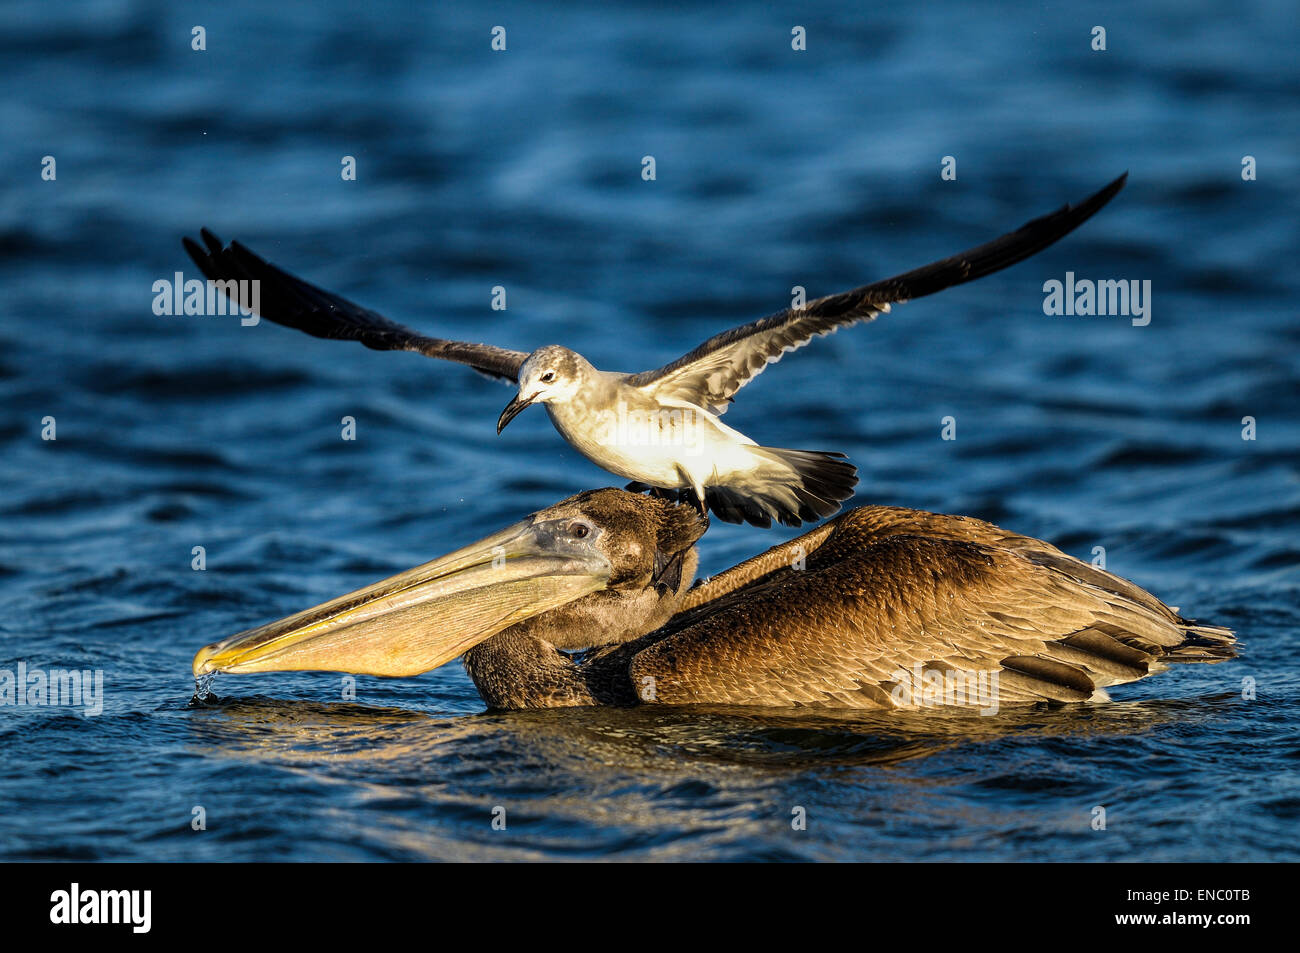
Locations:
(522, 169)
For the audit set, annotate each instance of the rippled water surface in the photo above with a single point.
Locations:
(522, 169)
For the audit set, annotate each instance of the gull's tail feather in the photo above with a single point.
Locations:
(793, 487)
(797, 487)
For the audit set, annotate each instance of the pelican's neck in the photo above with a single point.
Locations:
(516, 669)
(522, 667)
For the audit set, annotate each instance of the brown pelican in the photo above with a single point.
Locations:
(661, 428)
(882, 607)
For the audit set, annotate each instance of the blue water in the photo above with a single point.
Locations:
(522, 169)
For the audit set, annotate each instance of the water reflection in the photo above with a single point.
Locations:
(588, 740)
(684, 783)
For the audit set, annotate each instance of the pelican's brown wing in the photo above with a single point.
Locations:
(891, 595)
(710, 375)
(295, 303)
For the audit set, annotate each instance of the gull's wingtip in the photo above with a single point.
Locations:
(197, 251)
(1105, 193)
(1071, 215)
(211, 240)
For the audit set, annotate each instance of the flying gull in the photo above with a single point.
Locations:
(661, 428)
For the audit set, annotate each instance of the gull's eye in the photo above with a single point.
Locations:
(548, 377)
(579, 530)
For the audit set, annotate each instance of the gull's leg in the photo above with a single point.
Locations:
(658, 492)
(695, 497)
(701, 507)
(693, 491)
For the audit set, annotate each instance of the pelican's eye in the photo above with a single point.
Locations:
(579, 530)
(548, 377)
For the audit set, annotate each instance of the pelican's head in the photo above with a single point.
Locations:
(601, 541)
(550, 373)
(640, 536)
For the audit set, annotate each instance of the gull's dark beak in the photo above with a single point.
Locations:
(419, 619)
(512, 410)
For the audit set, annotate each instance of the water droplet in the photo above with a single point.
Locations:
(203, 687)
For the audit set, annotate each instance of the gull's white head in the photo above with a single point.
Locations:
(550, 374)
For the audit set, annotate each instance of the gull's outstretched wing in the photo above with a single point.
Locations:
(294, 303)
(710, 375)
